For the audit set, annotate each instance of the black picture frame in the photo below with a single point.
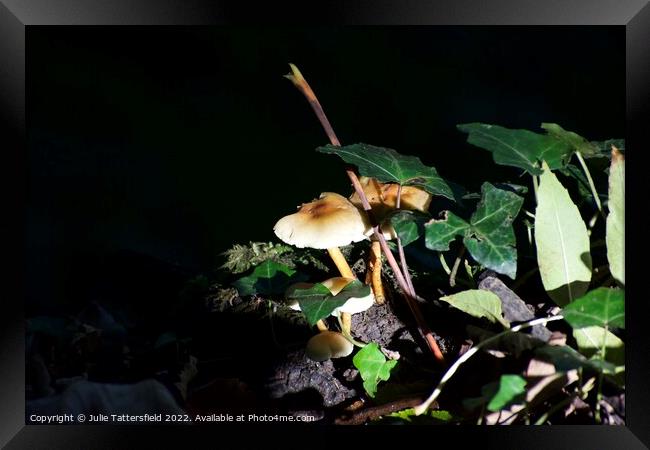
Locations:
(17, 15)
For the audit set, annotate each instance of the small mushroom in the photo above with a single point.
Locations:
(382, 198)
(328, 344)
(325, 223)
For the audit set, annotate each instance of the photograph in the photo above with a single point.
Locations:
(334, 225)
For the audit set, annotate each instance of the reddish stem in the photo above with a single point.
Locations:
(302, 85)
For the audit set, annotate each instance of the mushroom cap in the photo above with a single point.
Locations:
(328, 344)
(382, 198)
(354, 304)
(292, 302)
(328, 222)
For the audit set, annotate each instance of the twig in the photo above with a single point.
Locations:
(400, 248)
(299, 81)
(374, 412)
(469, 353)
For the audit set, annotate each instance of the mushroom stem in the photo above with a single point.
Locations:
(321, 325)
(346, 323)
(340, 262)
(375, 270)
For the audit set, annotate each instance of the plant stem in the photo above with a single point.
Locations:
(585, 169)
(400, 248)
(348, 336)
(299, 81)
(454, 270)
(599, 394)
(443, 262)
(535, 186)
(421, 408)
(544, 417)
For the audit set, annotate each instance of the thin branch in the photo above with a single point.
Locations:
(299, 81)
(400, 248)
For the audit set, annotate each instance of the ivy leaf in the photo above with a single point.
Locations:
(372, 366)
(489, 236)
(409, 225)
(577, 142)
(518, 148)
(615, 225)
(269, 277)
(317, 302)
(563, 249)
(478, 303)
(388, 166)
(439, 233)
(491, 239)
(603, 307)
(511, 389)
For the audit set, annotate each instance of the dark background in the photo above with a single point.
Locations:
(153, 150)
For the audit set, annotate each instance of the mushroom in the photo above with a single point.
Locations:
(382, 198)
(352, 306)
(328, 344)
(325, 223)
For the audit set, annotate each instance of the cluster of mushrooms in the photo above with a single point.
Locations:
(333, 221)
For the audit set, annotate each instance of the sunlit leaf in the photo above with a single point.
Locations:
(615, 230)
(563, 249)
(511, 389)
(478, 303)
(604, 307)
(372, 366)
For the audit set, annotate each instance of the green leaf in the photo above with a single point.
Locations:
(408, 225)
(564, 358)
(605, 147)
(489, 236)
(577, 142)
(591, 340)
(317, 302)
(387, 165)
(439, 233)
(615, 226)
(270, 277)
(372, 366)
(491, 239)
(604, 307)
(478, 303)
(430, 416)
(563, 250)
(511, 389)
(518, 148)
